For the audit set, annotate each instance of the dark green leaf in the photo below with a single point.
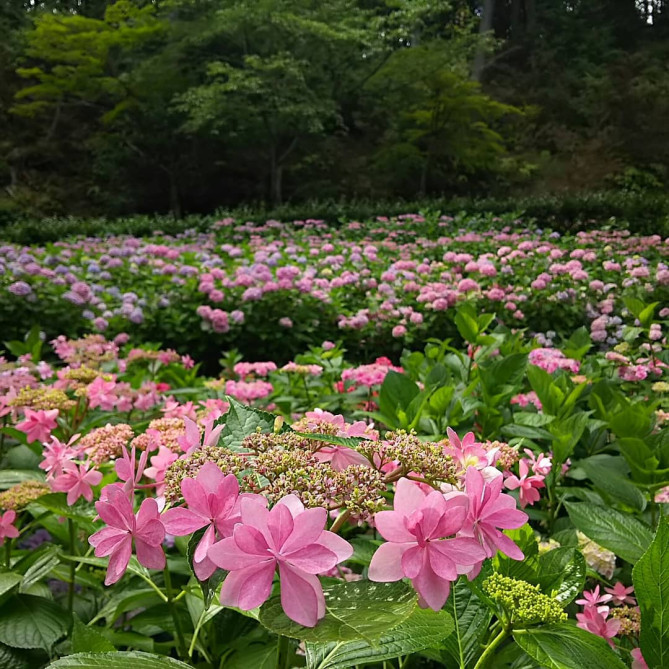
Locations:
(87, 639)
(32, 622)
(561, 573)
(118, 660)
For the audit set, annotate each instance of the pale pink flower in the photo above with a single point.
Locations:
(7, 529)
(490, 511)
(56, 454)
(123, 526)
(38, 424)
(192, 440)
(621, 595)
(213, 502)
(159, 465)
(527, 485)
(541, 464)
(637, 659)
(595, 622)
(592, 598)
(101, 394)
(417, 547)
(290, 538)
(76, 481)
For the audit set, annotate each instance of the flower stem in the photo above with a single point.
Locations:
(282, 652)
(73, 566)
(340, 520)
(487, 653)
(181, 644)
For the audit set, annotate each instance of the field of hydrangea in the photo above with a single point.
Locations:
(412, 443)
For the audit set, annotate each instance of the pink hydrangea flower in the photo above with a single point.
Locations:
(7, 529)
(527, 486)
(592, 598)
(213, 502)
(56, 454)
(637, 659)
(38, 424)
(101, 394)
(76, 481)
(192, 440)
(290, 538)
(490, 511)
(595, 622)
(123, 526)
(620, 594)
(159, 464)
(417, 547)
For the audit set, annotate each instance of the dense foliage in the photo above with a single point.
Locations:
(116, 106)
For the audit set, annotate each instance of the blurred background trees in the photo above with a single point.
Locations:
(111, 107)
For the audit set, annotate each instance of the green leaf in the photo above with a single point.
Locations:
(32, 622)
(561, 573)
(240, 421)
(254, 656)
(578, 344)
(626, 536)
(349, 442)
(48, 560)
(471, 618)
(532, 419)
(565, 646)
(527, 432)
(609, 481)
(8, 583)
(86, 639)
(651, 586)
(356, 610)
(11, 477)
(441, 398)
(118, 660)
(423, 629)
(397, 391)
(526, 569)
(466, 322)
(209, 586)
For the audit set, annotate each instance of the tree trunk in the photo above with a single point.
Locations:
(485, 26)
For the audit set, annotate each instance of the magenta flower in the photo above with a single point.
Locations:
(289, 538)
(489, 511)
(595, 622)
(76, 481)
(526, 485)
(38, 424)
(213, 502)
(56, 454)
(123, 526)
(620, 594)
(417, 547)
(7, 529)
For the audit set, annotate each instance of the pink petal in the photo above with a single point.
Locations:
(118, 562)
(107, 540)
(226, 495)
(293, 503)
(307, 528)
(248, 588)
(461, 550)
(390, 525)
(339, 546)
(180, 521)
(196, 497)
(281, 524)
(301, 596)
(474, 486)
(386, 564)
(312, 559)
(409, 497)
(204, 570)
(152, 557)
(207, 541)
(441, 562)
(210, 476)
(412, 561)
(432, 589)
(250, 541)
(254, 512)
(227, 555)
(454, 516)
(508, 547)
(152, 532)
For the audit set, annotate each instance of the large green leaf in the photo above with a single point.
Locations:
(565, 646)
(525, 569)
(11, 477)
(356, 610)
(471, 618)
(626, 536)
(118, 660)
(422, 629)
(8, 583)
(32, 622)
(651, 585)
(561, 573)
(240, 421)
(609, 481)
(397, 391)
(87, 639)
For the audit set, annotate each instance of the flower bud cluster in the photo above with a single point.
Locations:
(45, 397)
(20, 495)
(106, 443)
(524, 603)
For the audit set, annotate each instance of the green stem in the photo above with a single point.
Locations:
(282, 652)
(181, 644)
(200, 621)
(306, 390)
(487, 653)
(73, 566)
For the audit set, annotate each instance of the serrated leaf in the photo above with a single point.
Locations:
(47, 561)
(240, 421)
(118, 660)
(651, 586)
(356, 610)
(526, 569)
(613, 484)
(565, 646)
(32, 622)
(561, 573)
(8, 583)
(349, 442)
(87, 639)
(530, 419)
(471, 618)
(422, 629)
(626, 536)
